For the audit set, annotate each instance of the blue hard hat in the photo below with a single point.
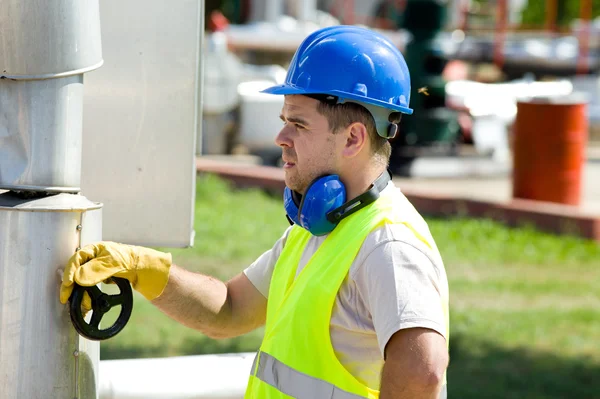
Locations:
(352, 64)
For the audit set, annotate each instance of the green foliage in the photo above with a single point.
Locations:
(568, 10)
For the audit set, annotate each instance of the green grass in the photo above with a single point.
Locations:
(525, 306)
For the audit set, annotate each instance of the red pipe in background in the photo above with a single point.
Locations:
(463, 24)
(551, 15)
(585, 13)
(500, 36)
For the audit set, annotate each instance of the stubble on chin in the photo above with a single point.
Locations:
(294, 182)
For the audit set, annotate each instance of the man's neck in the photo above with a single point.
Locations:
(359, 181)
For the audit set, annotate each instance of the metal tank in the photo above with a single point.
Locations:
(46, 48)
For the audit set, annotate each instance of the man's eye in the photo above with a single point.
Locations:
(299, 127)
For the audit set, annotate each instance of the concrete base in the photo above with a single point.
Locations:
(454, 167)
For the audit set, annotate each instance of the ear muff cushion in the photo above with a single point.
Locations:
(322, 196)
(290, 205)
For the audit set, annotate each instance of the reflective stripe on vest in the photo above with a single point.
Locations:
(296, 358)
(293, 383)
(298, 385)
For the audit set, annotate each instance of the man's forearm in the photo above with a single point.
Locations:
(197, 301)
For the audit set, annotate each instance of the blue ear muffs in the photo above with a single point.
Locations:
(309, 211)
(324, 204)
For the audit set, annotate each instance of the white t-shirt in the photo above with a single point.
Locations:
(395, 282)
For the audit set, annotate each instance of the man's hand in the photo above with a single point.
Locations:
(145, 268)
(415, 365)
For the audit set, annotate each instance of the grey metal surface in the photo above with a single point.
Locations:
(142, 112)
(46, 38)
(40, 134)
(267, 10)
(306, 10)
(37, 339)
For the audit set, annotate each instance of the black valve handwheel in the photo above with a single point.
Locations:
(101, 304)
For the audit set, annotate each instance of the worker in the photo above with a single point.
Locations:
(354, 295)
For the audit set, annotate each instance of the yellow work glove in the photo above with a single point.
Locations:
(146, 269)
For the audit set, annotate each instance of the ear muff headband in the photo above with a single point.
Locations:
(324, 204)
(369, 196)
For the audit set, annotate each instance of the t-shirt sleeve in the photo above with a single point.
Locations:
(259, 273)
(402, 288)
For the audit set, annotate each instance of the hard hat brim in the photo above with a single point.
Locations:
(287, 89)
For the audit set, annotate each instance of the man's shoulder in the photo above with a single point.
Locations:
(392, 243)
(400, 234)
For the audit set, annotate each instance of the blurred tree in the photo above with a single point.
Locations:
(534, 13)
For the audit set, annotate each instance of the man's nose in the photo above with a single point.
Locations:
(283, 138)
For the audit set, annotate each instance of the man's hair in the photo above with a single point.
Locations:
(340, 116)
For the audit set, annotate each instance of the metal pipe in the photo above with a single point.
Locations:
(46, 47)
(266, 10)
(464, 15)
(585, 14)
(306, 10)
(500, 37)
(274, 10)
(551, 15)
(349, 12)
(41, 134)
(41, 355)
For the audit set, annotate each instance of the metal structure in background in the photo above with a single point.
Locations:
(266, 10)
(45, 50)
(432, 126)
(541, 50)
(143, 112)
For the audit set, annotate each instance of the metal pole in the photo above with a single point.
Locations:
(500, 38)
(551, 15)
(464, 15)
(306, 10)
(46, 48)
(585, 13)
(349, 12)
(266, 10)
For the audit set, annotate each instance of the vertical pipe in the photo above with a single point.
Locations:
(585, 14)
(349, 10)
(464, 15)
(46, 48)
(266, 10)
(500, 36)
(41, 354)
(306, 10)
(273, 10)
(551, 15)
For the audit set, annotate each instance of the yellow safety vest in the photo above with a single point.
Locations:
(296, 358)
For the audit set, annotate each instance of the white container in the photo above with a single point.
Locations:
(259, 116)
(222, 74)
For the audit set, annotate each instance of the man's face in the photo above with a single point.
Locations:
(309, 148)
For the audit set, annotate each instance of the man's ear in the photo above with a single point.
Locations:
(357, 137)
